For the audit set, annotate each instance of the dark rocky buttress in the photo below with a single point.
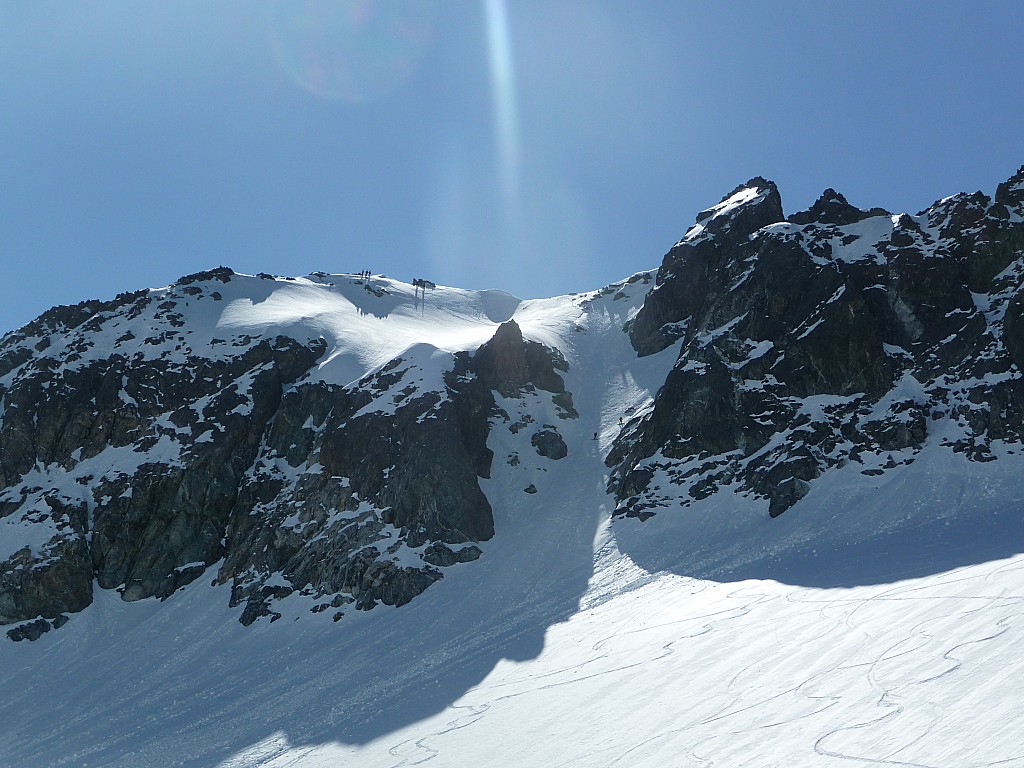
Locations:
(135, 455)
(835, 335)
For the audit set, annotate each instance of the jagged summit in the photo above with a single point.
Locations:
(836, 303)
(744, 210)
(1011, 193)
(832, 208)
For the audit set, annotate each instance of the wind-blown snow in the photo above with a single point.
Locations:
(365, 330)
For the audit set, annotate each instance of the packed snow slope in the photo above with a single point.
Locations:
(763, 507)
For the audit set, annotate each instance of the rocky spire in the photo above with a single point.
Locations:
(832, 208)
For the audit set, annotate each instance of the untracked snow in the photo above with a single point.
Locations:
(365, 329)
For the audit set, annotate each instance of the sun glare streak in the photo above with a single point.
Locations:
(503, 93)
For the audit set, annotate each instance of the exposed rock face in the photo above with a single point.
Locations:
(137, 452)
(832, 208)
(341, 489)
(516, 368)
(687, 274)
(31, 630)
(117, 455)
(837, 335)
(507, 363)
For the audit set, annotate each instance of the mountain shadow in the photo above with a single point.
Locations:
(934, 515)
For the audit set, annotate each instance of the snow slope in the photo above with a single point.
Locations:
(574, 640)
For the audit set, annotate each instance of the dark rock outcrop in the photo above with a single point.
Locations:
(549, 443)
(356, 486)
(137, 453)
(832, 208)
(833, 336)
(688, 272)
(31, 630)
(158, 473)
(508, 364)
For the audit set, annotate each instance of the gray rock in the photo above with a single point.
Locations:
(549, 444)
(32, 630)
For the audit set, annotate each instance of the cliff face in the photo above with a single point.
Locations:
(142, 446)
(837, 335)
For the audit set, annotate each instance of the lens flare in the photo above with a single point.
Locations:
(352, 50)
(503, 93)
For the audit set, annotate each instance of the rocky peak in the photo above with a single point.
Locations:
(1011, 192)
(740, 213)
(952, 215)
(901, 326)
(713, 249)
(832, 208)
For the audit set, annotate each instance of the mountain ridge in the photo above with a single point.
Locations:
(831, 302)
(759, 506)
(324, 436)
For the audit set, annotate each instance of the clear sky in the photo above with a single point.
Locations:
(538, 146)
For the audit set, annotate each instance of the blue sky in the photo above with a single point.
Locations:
(541, 147)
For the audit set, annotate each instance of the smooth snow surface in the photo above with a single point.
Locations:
(710, 636)
(366, 330)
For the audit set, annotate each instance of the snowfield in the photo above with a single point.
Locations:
(687, 672)
(880, 622)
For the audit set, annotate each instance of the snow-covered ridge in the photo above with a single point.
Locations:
(215, 316)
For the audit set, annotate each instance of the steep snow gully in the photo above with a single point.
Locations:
(878, 622)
